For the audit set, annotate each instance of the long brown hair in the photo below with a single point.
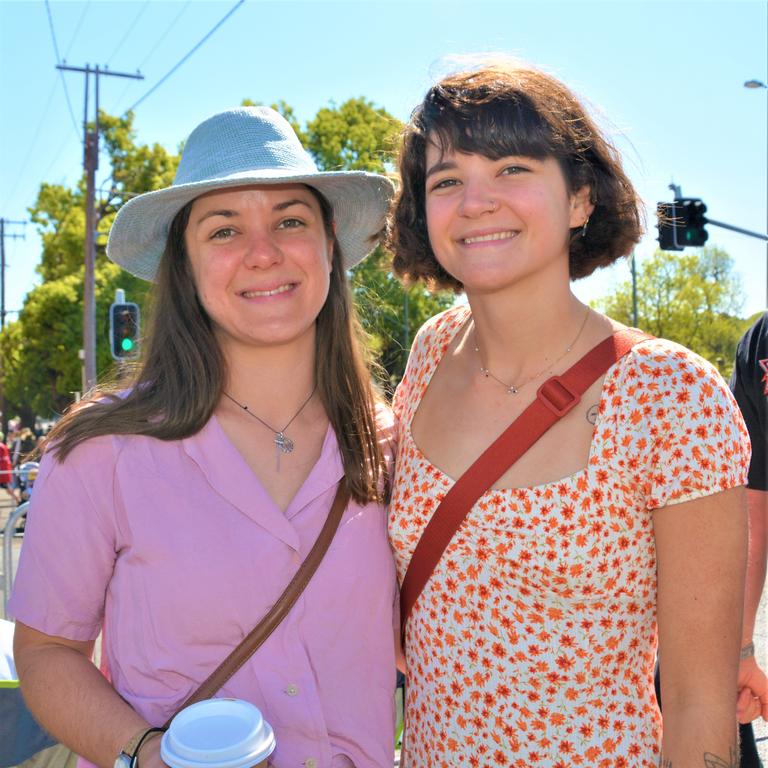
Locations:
(175, 388)
(504, 109)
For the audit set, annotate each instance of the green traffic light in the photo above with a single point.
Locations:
(127, 345)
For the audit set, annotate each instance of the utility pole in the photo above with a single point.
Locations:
(90, 164)
(3, 235)
(634, 291)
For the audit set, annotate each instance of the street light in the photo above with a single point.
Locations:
(757, 85)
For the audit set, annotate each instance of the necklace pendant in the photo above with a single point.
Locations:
(284, 444)
(511, 389)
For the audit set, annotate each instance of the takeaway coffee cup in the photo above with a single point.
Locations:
(218, 733)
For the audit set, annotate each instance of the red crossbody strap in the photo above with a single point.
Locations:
(554, 398)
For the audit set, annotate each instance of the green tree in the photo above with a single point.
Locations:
(40, 350)
(693, 298)
(357, 136)
(59, 211)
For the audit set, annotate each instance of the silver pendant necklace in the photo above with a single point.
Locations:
(283, 443)
(513, 389)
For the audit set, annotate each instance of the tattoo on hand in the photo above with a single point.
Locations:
(713, 761)
(592, 414)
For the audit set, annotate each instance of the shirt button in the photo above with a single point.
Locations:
(310, 762)
(292, 690)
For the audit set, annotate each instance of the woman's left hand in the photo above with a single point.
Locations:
(753, 691)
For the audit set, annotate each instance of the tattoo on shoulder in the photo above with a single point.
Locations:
(664, 762)
(713, 761)
(592, 417)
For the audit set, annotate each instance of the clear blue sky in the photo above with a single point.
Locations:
(667, 78)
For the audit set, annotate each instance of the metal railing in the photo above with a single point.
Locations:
(7, 574)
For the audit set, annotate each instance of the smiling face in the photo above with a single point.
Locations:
(495, 222)
(261, 260)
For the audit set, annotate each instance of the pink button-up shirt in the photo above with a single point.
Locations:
(179, 550)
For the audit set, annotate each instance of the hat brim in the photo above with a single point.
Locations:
(360, 201)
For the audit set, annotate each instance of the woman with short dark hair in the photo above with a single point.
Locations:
(531, 639)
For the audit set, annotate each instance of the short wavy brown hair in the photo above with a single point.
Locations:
(501, 110)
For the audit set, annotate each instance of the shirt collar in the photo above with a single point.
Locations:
(231, 477)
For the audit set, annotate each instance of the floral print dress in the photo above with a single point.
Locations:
(533, 643)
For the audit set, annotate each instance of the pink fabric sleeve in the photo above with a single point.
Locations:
(69, 545)
(681, 428)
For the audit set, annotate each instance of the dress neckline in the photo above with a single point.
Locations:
(446, 337)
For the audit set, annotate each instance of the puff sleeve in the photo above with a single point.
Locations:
(680, 434)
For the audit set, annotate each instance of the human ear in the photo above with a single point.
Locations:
(581, 206)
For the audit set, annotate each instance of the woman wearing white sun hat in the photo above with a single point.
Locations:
(175, 513)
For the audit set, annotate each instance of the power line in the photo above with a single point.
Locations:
(173, 69)
(162, 37)
(158, 43)
(24, 162)
(58, 62)
(77, 29)
(128, 31)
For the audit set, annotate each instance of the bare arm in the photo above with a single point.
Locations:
(701, 548)
(71, 698)
(757, 504)
(751, 676)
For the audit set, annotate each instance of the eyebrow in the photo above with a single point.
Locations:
(443, 165)
(230, 214)
(218, 212)
(289, 203)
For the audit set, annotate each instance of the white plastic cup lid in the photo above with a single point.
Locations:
(218, 733)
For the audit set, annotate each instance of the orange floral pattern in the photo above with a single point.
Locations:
(533, 643)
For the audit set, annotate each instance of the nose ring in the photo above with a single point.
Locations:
(493, 206)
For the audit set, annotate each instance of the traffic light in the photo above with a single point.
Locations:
(124, 330)
(681, 224)
(694, 222)
(668, 216)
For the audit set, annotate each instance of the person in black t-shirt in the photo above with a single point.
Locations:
(750, 388)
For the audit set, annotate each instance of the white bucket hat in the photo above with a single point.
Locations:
(248, 145)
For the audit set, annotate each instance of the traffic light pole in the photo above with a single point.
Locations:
(634, 291)
(91, 163)
(737, 229)
(748, 233)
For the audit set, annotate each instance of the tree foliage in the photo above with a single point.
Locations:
(692, 298)
(357, 136)
(40, 349)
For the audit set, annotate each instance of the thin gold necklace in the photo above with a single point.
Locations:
(283, 444)
(513, 389)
